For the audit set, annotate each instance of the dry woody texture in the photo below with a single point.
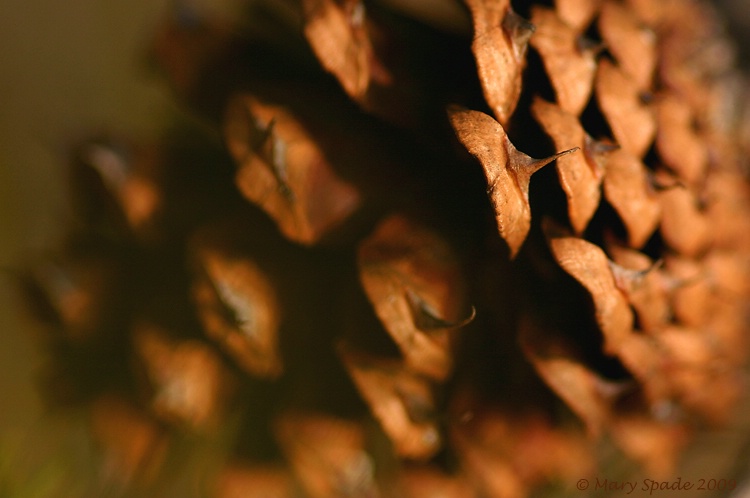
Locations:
(412, 249)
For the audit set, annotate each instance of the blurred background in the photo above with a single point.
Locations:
(69, 69)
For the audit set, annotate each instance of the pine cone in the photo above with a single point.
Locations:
(410, 249)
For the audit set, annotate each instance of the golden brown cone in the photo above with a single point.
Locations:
(131, 181)
(686, 347)
(429, 482)
(190, 384)
(401, 401)
(656, 445)
(628, 190)
(579, 178)
(588, 264)
(645, 286)
(712, 394)
(685, 228)
(244, 480)
(577, 13)
(314, 157)
(500, 40)
(727, 327)
(508, 171)
(413, 280)
(493, 475)
(632, 121)
(570, 68)
(679, 146)
(633, 45)
(582, 390)
(691, 297)
(727, 196)
(641, 355)
(509, 455)
(652, 13)
(729, 273)
(239, 309)
(337, 32)
(327, 454)
(285, 172)
(692, 55)
(133, 445)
